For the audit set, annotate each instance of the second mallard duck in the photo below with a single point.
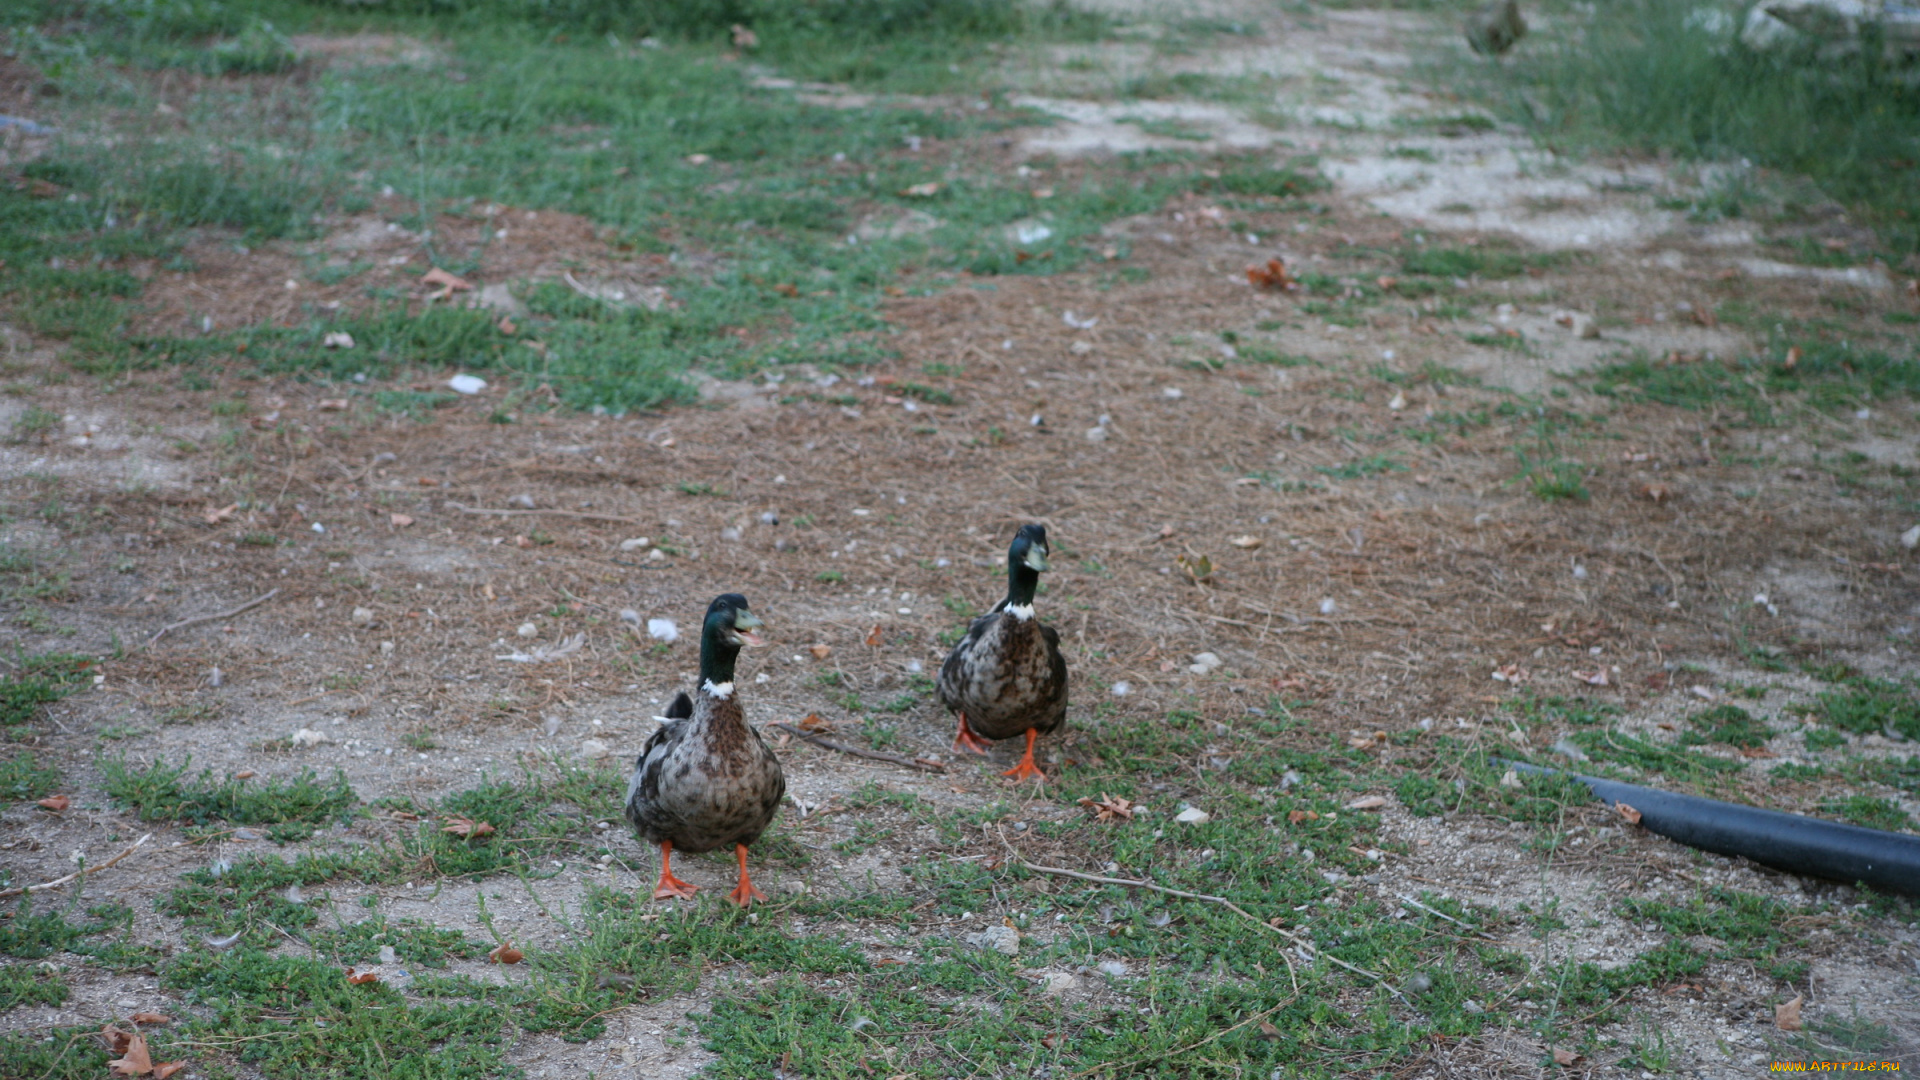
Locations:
(706, 780)
(1007, 677)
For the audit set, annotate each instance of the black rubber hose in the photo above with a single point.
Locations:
(1889, 862)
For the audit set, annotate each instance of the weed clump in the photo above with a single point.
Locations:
(1873, 706)
(1728, 725)
(1651, 75)
(294, 807)
(37, 681)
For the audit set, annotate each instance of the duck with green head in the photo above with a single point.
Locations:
(1007, 677)
(706, 780)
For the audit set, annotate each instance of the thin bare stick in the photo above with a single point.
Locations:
(76, 875)
(1411, 902)
(1303, 944)
(855, 751)
(490, 512)
(217, 616)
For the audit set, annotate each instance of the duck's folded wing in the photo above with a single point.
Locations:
(680, 708)
(953, 672)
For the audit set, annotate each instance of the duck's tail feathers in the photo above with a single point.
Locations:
(681, 707)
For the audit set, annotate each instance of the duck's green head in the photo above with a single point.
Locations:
(729, 627)
(729, 618)
(1026, 561)
(1030, 548)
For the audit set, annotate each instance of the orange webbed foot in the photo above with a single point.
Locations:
(1026, 770)
(744, 893)
(669, 886)
(965, 740)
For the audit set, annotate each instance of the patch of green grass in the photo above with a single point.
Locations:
(1514, 342)
(1257, 179)
(1728, 725)
(37, 681)
(794, 176)
(1551, 478)
(1901, 773)
(1645, 755)
(23, 985)
(1485, 261)
(345, 1029)
(1694, 385)
(1872, 706)
(1753, 928)
(1794, 772)
(413, 404)
(23, 778)
(1363, 467)
(293, 807)
(1254, 354)
(27, 935)
(411, 940)
(1636, 74)
(34, 422)
(1460, 123)
(1819, 739)
(1867, 810)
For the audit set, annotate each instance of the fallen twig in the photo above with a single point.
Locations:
(490, 512)
(1411, 902)
(1302, 943)
(198, 619)
(76, 875)
(876, 755)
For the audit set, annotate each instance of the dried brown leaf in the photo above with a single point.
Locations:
(362, 977)
(873, 635)
(114, 1039)
(1295, 817)
(820, 652)
(922, 191)
(1110, 808)
(1268, 1031)
(56, 803)
(136, 1059)
(400, 521)
(447, 283)
(1271, 276)
(1564, 1057)
(1786, 1016)
(151, 1018)
(215, 517)
(1631, 815)
(505, 953)
(167, 1068)
(1367, 802)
